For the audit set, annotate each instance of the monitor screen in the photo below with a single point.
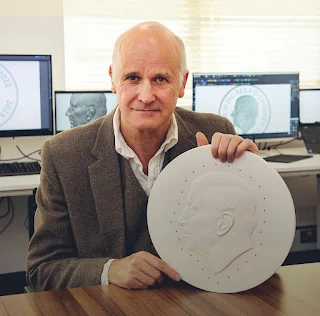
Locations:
(309, 106)
(260, 105)
(25, 95)
(75, 108)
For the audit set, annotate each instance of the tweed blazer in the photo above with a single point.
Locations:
(90, 206)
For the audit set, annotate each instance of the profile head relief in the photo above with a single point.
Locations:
(219, 218)
(245, 112)
(86, 107)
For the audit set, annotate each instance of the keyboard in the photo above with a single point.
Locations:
(19, 168)
(311, 137)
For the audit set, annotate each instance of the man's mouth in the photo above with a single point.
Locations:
(147, 110)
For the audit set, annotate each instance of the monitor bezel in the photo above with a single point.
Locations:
(67, 92)
(306, 89)
(255, 137)
(34, 132)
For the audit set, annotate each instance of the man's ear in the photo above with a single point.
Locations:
(113, 86)
(225, 223)
(183, 86)
(91, 112)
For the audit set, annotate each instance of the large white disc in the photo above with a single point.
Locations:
(225, 227)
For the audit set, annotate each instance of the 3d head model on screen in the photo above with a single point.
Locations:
(85, 108)
(219, 218)
(245, 113)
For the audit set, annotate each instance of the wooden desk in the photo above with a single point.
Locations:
(293, 290)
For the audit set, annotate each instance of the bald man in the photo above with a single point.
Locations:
(86, 107)
(96, 179)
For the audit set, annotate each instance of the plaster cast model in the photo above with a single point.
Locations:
(219, 218)
(225, 227)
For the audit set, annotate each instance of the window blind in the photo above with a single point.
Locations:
(219, 35)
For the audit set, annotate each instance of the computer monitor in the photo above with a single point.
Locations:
(75, 108)
(260, 105)
(25, 95)
(309, 106)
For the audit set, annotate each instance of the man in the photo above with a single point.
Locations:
(86, 107)
(95, 179)
(245, 113)
(216, 225)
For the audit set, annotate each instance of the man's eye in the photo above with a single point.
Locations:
(161, 79)
(132, 78)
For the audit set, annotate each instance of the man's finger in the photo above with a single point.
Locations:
(215, 143)
(201, 139)
(163, 267)
(233, 147)
(151, 271)
(134, 284)
(223, 147)
(248, 145)
(145, 279)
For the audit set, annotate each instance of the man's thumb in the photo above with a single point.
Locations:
(201, 139)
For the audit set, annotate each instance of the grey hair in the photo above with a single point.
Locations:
(178, 40)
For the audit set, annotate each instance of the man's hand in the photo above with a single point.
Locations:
(226, 147)
(139, 271)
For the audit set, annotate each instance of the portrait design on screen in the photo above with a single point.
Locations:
(247, 107)
(8, 95)
(245, 113)
(219, 218)
(20, 95)
(86, 107)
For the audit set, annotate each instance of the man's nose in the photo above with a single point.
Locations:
(184, 217)
(146, 93)
(68, 111)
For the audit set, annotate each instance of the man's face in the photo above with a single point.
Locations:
(199, 221)
(148, 83)
(239, 118)
(77, 111)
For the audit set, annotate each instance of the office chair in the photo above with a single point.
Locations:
(28, 289)
(32, 207)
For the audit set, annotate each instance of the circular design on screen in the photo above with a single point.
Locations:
(248, 108)
(8, 95)
(225, 227)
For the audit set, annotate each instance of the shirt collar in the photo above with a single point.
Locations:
(124, 150)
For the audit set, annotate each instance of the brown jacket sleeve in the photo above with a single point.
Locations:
(52, 255)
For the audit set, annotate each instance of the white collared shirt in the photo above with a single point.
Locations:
(156, 162)
(154, 166)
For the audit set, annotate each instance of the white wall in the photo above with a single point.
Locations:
(34, 27)
(27, 27)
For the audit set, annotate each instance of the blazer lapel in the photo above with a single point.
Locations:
(105, 180)
(186, 141)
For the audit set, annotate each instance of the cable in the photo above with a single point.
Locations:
(26, 156)
(281, 143)
(7, 212)
(23, 154)
(26, 222)
(9, 205)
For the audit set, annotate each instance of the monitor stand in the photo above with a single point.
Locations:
(286, 158)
